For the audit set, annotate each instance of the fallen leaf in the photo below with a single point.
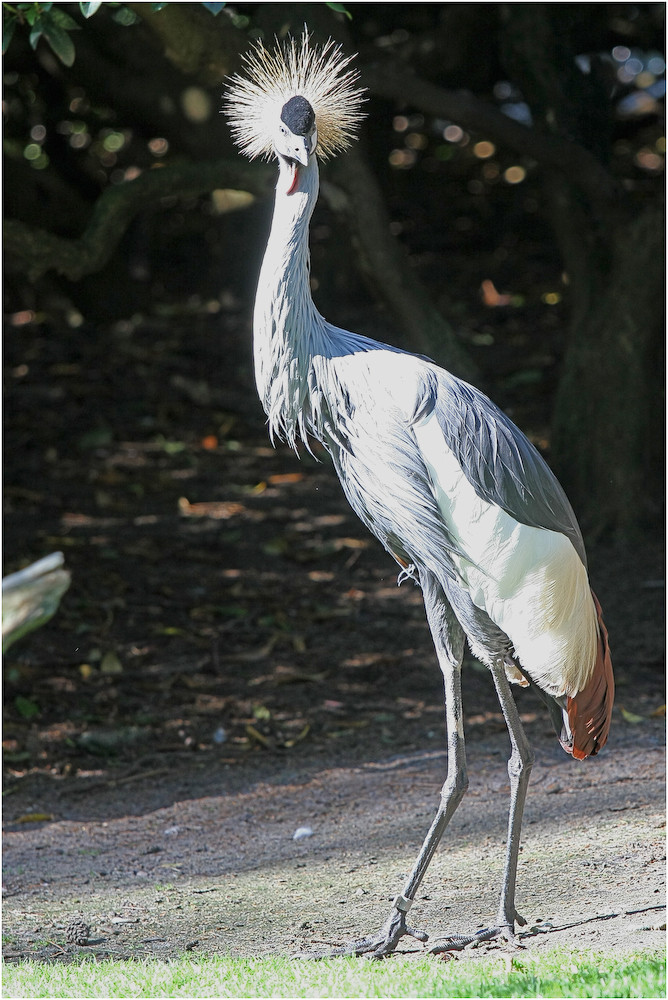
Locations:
(631, 717)
(26, 707)
(258, 737)
(491, 297)
(300, 736)
(351, 543)
(286, 477)
(276, 547)
(219, 510)
(35, 818)
(111, 664)
(298, 676)
(259, 654)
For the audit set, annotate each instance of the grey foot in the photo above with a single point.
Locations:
(457, 942)
(383, 943)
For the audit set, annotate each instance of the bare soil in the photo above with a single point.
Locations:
(234, 661)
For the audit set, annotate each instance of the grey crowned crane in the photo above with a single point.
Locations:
(448, 484)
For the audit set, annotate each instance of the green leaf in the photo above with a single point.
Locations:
(340, 9)
(98, 437)
(88, 9)
(60, 42)
(125, 16)
(57, 37)
(63, 20)
(8, 29)
(170, 447)
(32, 12)
(35, 34)
(25, 707)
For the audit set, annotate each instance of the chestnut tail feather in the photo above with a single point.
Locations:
(590, 710)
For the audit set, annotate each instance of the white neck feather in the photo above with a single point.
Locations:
(287, 328)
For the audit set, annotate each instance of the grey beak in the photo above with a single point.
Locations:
(301, 149)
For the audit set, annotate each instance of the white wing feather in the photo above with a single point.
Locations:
(530, 581)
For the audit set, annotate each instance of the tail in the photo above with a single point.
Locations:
(590, 710)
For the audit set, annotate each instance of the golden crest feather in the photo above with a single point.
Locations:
(296, 68)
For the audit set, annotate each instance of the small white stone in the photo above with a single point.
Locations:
(302, 832)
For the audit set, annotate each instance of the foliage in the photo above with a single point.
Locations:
(340, 8)
(47, 21)
(463, 160)
(551, 974)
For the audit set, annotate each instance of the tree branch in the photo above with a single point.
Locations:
(384, 263)
(36, 251)
(193, 40)
(574, 161)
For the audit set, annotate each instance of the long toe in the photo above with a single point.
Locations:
(457, 942)
(378, 945)
(386, 944)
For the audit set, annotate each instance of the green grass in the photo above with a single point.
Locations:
(549, 974)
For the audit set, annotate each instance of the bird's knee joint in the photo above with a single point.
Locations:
(520, 763)
(454, 788)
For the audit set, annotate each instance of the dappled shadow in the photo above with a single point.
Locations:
(226, 870)
(227, 609)
(234, 660)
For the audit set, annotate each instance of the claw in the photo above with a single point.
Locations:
(382, 944)
(457, 942)
(379, 945)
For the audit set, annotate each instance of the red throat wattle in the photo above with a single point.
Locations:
(294, 178)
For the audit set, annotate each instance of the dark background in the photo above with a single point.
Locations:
(225, 602)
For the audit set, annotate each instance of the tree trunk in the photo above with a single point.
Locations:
(606, 445)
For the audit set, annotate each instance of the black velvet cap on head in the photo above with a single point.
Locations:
(298, 115)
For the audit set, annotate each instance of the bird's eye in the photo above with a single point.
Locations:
(284, 131)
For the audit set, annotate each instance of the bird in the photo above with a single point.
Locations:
(453, 490)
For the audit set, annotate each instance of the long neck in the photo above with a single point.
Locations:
(287, 328)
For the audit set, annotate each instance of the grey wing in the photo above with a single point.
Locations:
(500, 463)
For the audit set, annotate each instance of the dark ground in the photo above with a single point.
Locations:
(230, 625)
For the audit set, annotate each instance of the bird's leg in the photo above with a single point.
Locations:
(449, 642)
(519, 770)
(395, 927)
